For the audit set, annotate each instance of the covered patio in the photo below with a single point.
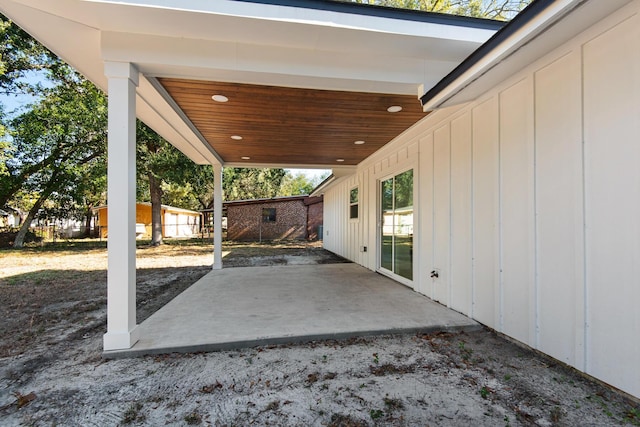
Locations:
(250, 306)
(257, 83)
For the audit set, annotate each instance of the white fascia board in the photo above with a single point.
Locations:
(270, 24)
(254, 64)
(316, 17)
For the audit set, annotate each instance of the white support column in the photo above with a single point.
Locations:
(122, 332)
(217, 217)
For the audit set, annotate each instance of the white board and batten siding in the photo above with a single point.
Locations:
(528, 203)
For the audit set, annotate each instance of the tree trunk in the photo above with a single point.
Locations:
(87, 221)
(18, 242)
(156, 210)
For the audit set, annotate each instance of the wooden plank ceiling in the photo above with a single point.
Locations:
(287, 126)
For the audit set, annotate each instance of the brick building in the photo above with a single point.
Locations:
(292, 218)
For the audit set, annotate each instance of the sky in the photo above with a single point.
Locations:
(310, 173)
(11, 103)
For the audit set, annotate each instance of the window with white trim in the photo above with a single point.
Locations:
(353, 203)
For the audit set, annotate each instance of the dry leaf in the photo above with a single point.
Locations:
(24, 399)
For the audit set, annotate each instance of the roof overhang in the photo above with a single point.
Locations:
(305, 44)
(529, 36)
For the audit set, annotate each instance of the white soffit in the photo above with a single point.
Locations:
(560, 22)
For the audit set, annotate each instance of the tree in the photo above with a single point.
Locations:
(201, 182)
(20, 55)
(492, 9)
(5, 152)
(153, 157)
(90, 192)
(55, 143)
(180, 195)
(251, 183)
(298, 184)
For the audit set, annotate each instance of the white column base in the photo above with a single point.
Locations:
(121, 340)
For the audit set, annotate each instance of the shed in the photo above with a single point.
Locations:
(176, 222)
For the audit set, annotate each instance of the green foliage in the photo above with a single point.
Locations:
(298, 184)
(376, 413)
(58, 143)
(492, 9)
(194, 186)
(6, 152)
(155, 159)
(193, 418)
(251, 183)
(54, 148)
(182, 196)
(20, 55)
(133, 414)
(484, 392)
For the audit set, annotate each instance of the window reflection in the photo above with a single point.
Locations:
(397, 224)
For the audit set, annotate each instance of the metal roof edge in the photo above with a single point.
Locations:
(318, 191)
(301, 197)
(522, 19)
(386, 12)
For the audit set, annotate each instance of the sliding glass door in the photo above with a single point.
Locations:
(396, 240)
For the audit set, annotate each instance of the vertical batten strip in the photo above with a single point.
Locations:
(584, 337)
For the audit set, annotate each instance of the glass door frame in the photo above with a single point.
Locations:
(412, 283)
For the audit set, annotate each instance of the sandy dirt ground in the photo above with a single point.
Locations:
(53, 315)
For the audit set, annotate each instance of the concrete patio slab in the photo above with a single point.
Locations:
(249, 306)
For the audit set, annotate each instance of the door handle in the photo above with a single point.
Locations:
(434, 274)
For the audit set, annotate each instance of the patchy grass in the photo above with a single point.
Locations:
(133, 414)
(61, 287)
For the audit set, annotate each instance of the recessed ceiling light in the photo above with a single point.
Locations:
(359, 142)
(245, 158)
(394, 109)
(219, 98)
(339, 160)
(236, 137)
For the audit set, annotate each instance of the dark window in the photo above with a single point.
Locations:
(353, 203)
(268, 214)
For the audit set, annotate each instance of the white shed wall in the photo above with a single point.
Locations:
(528, 204)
